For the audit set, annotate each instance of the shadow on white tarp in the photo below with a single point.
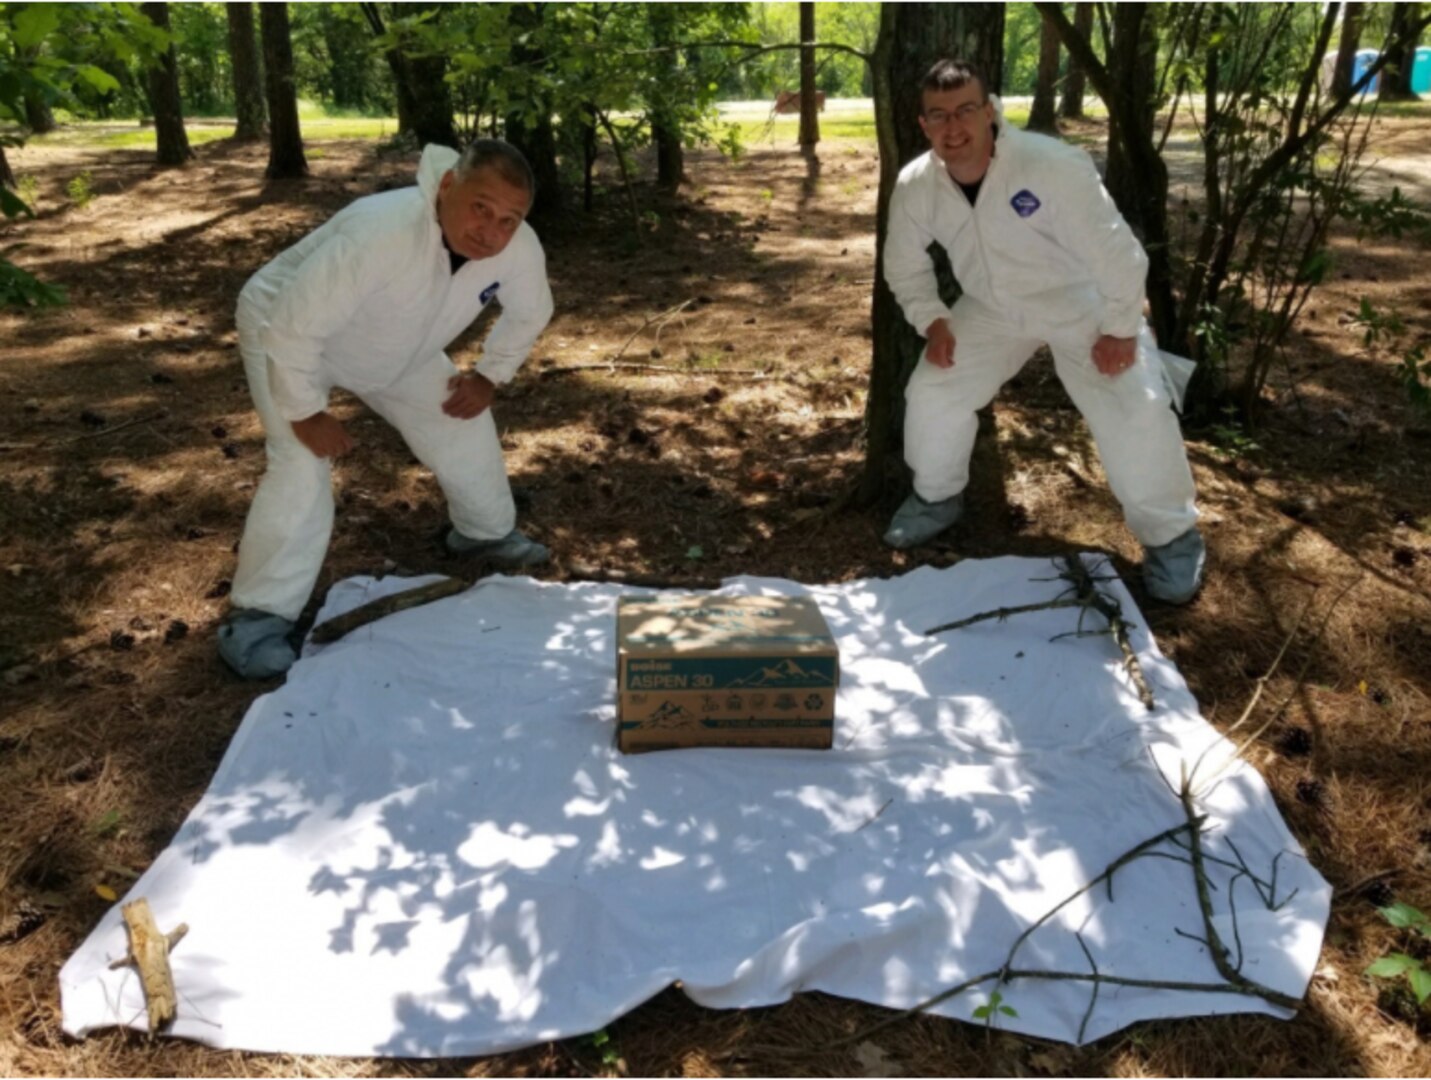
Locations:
(425, 842)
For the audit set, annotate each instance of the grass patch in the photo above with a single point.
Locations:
(101, 135)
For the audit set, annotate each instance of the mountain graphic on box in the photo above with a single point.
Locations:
(785, 673)
(668, 714)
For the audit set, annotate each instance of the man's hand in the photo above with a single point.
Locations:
(940, 352)
(1114, 355)
(471, 395)
(324, 434)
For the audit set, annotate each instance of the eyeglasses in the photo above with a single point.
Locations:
(937, 118)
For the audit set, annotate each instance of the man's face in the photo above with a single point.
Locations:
(959, 125)
(479, 215)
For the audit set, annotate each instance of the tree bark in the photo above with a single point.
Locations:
(249, 110)
(285, 140)
(1071, 107)
(163, 85)
(1346, 50)
(1400, 54)
(809, 115)
(424, 105)
(911, 38)
(39, 117)
(1137, 176)
(7, 177)
(1043, 114)
(665, 126)
(531, 132)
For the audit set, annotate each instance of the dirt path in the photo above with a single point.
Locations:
(130, 453)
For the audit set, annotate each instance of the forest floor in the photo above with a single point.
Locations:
(129, 454)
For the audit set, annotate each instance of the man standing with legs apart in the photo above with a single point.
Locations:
(369, 302)
(1042, 256)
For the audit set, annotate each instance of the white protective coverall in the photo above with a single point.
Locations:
(1043, 256)
(368, 302)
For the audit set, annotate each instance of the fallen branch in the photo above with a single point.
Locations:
(149, 955)
(328, 632)
(666, 369)
(1087, 596)
(1002, 613)
(1112, 611)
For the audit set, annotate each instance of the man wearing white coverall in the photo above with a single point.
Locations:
(369, 302)
(1042, 256)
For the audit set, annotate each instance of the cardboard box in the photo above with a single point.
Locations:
(724, 671)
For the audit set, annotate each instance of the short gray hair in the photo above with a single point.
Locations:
(505, 159)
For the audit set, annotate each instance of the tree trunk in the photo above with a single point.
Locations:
(809, 116)
(1346, 51)
(424, 105)
(531, 131)
(249, 108)
(911, 38)
(1042, 114)
(163, 84)
(1071, 107)
(285, 141)
(1400, 54)
(7, 177)
(665, 126)
(431, 101)
(39, 117)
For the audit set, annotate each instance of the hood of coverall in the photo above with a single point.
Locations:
(436, 160)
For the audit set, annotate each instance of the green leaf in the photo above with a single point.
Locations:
(34, 23)
(695, 551)
(107, 823)
(1392, 965)
(98, 78)
(1007, 1010)
(1403, 916)
(11, 205)
(1420, 984)
(981, 1013)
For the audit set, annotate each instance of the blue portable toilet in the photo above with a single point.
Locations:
(1421, 71)
(1364, 59)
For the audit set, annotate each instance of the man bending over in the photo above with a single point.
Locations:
(369, 302)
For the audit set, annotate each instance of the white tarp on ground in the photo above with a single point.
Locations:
(425, 842)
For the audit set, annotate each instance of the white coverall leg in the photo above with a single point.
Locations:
(1130, 416)
(291, 519)
(1139, 441)
(940, 403)
(464, 455)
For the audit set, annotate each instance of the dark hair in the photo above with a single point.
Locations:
(505, 159)
(953, 75)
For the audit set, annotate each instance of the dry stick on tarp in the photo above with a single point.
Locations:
(328, 632)
(1234, 981)
(1086, 596)
(149, 954)
(665, 369)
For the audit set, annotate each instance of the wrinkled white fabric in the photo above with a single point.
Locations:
(369, 302)
(1043, 257)
(426, 843)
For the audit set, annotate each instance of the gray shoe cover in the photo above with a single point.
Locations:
(511, 551)
(255, 644)
(1173, 571)
(917, 521)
